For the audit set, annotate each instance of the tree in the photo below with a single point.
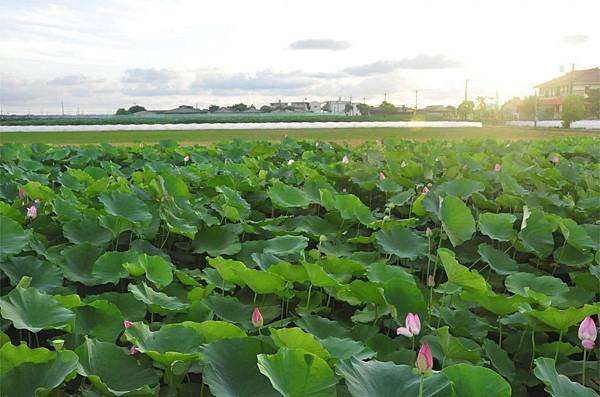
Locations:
(592, 103)
(527, 108)
(213, 108)
(348, 109)
(364, 109)
(387, 108)
(573, 109)
(121, 112)
(465, 109)
(266, 109)
(239, 107)
(136, 108)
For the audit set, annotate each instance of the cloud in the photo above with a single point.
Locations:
(264, 80)
(152, 82)
(421, 61)
(575, 39)
(69, 80)
(320, 44)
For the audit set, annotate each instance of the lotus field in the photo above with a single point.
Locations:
(301, 268)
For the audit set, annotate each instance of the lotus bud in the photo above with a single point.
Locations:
(428, 232)
(290, 162)
(257, 318)
(424, 361)
(58, 344)
(127, 324)
(22, 194)
(32, 212)
(386, 218)
(186, 159)
(345, 160)
(425, 190)
(133, 350)
(430, 281)
(497, 167)
(381, 176)
(588, 333)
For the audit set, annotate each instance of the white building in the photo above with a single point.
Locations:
(339, 107)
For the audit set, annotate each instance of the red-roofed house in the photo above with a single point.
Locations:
(576, 82)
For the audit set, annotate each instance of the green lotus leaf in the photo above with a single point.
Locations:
(217, 240)
(497, 304)
(318, 276)
(131, 308)
(457, 348)
(461, 275)
(231, 309)
(367, 292)
(525, 283)
(289, 272)
(229, 270)
(536, 236)
(572, 256)
(36, 372)
(295, 338)
(336, 265)
(30, 309)
(575, 235)
(402, 242)
(126, 205)
(215, 330)
(556, 384)
(401, 198)
(383, 379)
(262, 282)
(99, 319)
(404, 295)
(286, 245)
(500, 359)
(461, 187)
(474, 381)
(562, 319)
(172, 342)
(37, 191)
(310, 224)
(108, 268)
(351, 208)
(285, 196)
(12, 236)
(497, 226)
(296, 372)
(113, 371)
(78, 264)
(457, 220)
(86, 230)
(44, 275)
(158, 302)
(322, 327)
(499, 261)
(157, 269)
(231, 368)
(345, 348)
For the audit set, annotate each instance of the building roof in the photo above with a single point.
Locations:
(587, 76)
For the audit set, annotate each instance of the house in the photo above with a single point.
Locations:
(181, 109)
(314, 107)
(339, 107)
(278, 105)
(576, 82)
(301, 107)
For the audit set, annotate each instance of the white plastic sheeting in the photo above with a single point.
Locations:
(583, 124)
(242, 126)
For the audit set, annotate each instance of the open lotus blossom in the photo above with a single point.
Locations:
(588, 333)
(497, 167)
(22, 193)
(424, 361)
(32, 212)
(186, 159)
(425, 190)
(257, 318)
(345, 160)
(381, 176)
(412, 326)
(133, 350)
(290, 161)
(127, 324)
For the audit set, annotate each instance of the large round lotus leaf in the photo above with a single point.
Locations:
(295, 372)
(99, 319)
(231, 368)
(157, 269)
(295, 338)
(343, 349)
(12, 236)
(562, 319)
(44, 275)
(459, 274)
(366, 292)
(108, 268)
(461, 187)
(386, 379)
(404, 295)
(86, 230)
(559, 385)
(126, 205)
(536, 236)
(35, 190)
(497, 304)
(29, 309)
(575, 234)
(262, 282)
(215, 330)
(523, 284)
(351, 208)
(217, 240)
(34, 372)
(457, 220)
(457, 347)
(322, 327)
(172, 342)
(284, 196)
(289, 272)
(402, 242)
(229, 270)
(319, 277)
(570, 255)
(113, 371)
(285, 245)
(497, 226)
(499, 261)
(158, 302)
(310, 224)
(474, 381)
(500, 359)
(131, 308)
(231, 309)
(79, 262)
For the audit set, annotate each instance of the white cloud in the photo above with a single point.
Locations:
(320, 44)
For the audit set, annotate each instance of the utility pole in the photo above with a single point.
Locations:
(416, 100)
(385, 97)
(535, 114)
(466, 89)
(62, 107)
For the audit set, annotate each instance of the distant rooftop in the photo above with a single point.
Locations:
(587, 76)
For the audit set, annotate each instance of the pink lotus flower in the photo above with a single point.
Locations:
(133, 350)
(186, 159)
(127, 324)
(345, 160)
(381, 176)
(257, 318)
(412, 326)
(32, 212)
(497, 167)
(424, 361)
(425, 190)
(22, 194)
(588, 333)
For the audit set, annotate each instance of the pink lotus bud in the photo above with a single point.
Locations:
(133, 350)
(412, 326)
(345, 160)
(290, 161)
(381, 176)
(430, 281)
(186, 159)
(257, 318)
(588, 332)
(497, 167)
(424, 361)
(32, 212)
(22, 194)
(425, 190)
(127, 324)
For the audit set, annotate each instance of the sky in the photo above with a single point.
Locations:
(97, 56)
